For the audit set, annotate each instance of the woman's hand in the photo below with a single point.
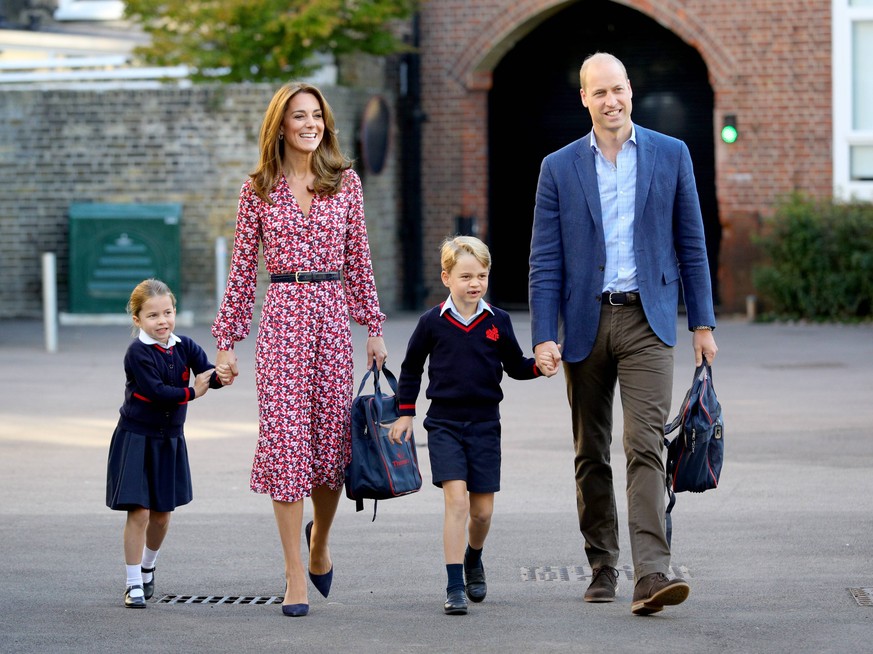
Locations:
(376, 351)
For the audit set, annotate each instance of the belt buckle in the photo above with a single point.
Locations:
(615, 304)
(302, 281)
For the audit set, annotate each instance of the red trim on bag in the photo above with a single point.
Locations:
(711, 474)
(374, 429)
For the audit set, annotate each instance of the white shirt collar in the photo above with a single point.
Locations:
(148, 340)
(448, 305)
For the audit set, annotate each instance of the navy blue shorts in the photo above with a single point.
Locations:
(469, 451)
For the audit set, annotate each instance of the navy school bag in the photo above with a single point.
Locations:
(379, 469)
(696, 453)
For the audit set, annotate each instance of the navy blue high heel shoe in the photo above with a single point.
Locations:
(294, 610)
(321, 582)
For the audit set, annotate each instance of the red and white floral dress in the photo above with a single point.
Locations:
(303, 362)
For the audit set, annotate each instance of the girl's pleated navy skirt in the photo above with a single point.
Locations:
(147, 471)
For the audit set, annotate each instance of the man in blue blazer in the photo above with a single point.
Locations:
(617, 226)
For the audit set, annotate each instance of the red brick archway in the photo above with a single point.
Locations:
(759, 55)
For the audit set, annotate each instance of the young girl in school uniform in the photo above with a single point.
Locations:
(148, 474)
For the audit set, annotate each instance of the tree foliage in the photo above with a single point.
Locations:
(263, 40)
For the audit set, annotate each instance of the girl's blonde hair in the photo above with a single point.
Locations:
(145, 291)
(328, 162)
(454, 246)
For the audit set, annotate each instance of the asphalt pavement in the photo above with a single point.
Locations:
(772, 555)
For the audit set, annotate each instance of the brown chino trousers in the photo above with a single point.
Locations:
(626, 351)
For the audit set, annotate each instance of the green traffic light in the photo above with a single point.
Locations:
(729, 134)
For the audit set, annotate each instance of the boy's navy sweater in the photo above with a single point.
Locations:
(157, 393)
(465, 368)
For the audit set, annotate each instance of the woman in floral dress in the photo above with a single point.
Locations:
(304, 206)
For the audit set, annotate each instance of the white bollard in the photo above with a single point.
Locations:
(751, 308)
(220, 269)
(50, 300)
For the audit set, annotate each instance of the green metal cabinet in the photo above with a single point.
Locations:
(113, 247)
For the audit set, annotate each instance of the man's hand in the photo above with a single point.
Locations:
(704, 346)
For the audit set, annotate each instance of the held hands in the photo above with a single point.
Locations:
(223, 372)
(226, 366)
(201, 382)
(400, 430)
(548, 357)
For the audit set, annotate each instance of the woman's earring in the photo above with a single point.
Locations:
(281, 136)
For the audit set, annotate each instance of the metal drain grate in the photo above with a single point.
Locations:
(864, 596)
(583, 572)
(220, 599)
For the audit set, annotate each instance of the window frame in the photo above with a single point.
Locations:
(843, 19)
(89, 10)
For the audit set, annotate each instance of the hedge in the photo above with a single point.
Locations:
(819, 261)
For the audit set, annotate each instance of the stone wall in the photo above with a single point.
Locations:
(193, 146)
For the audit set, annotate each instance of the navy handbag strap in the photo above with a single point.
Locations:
(703, 369)
(377, 398)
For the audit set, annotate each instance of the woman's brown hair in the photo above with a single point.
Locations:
(328, 162)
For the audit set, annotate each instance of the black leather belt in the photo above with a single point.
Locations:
(621, 299)
(306, 277)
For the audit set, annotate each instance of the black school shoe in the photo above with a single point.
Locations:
(133, 602)
(456, 603)
(148, 587)
(474, 582)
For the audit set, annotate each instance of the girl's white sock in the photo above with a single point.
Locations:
(134, 575)
(149, 557)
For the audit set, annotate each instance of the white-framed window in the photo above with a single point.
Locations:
(852, 50)
(89, 10)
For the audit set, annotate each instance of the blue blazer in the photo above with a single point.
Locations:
(568, 251)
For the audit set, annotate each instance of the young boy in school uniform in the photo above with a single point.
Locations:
(469, 345)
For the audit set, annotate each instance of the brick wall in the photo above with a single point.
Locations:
(194, 146)
(769, 63)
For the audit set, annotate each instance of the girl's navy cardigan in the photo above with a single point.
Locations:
(157, 393)
(466, 365)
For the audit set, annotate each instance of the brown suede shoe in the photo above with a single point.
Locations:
(653, 592)
(603, 583)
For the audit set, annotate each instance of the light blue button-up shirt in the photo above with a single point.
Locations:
(617, 185)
